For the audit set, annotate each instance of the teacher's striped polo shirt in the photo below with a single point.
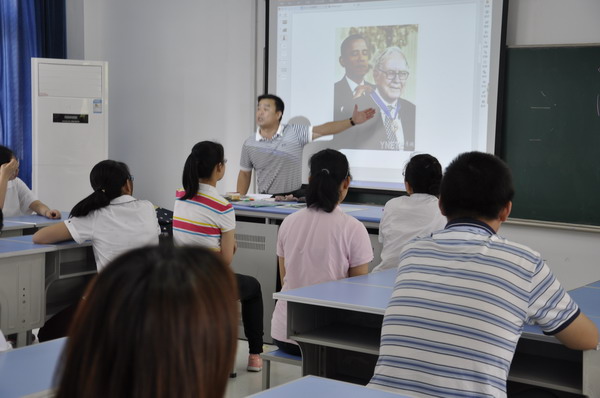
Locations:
(461, 299)
(277, 161)
(202, 219)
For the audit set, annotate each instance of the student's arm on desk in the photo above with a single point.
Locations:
(243, 182)
(43, 210)
(581, 334)
(362, 269)
(52, 234)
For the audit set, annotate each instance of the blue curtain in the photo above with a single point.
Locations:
(29, 28)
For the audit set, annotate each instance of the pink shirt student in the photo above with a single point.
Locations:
(331, 244)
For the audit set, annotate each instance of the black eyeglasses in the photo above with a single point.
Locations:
(392, 74)
(131, 178)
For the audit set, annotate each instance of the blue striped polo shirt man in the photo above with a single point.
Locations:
(275, 151)
(463, 294)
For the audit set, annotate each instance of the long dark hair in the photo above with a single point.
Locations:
(107, 178)
(6, 154)
(200, 164)
(424, 174)
(156, 322)
(328, 168)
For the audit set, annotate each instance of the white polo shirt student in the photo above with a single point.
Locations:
(16, 199)
(124, 224)
(112, 219)
(414, 215)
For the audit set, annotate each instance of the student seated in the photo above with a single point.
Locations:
(16, 199)
(416, 214)
(320, 243)
(156, 322)
(203, 217)
(463, 295)
(110, 217)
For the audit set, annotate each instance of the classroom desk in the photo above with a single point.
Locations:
(29, 370)
(256, 236)
(368, 215)
(338, 326)
(27, 225)
(316, 387)
(39, 280)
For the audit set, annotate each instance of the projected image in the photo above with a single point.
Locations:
(377, 65)
(429, 68)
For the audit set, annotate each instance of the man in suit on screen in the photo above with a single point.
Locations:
(354, 57)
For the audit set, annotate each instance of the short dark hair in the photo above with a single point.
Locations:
(424, 174)
(476, 185)
(6, 154)
(328, 168)
(279, 106)
(351, 39)
(158, 321)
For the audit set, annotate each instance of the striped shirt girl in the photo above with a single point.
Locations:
(216, 212)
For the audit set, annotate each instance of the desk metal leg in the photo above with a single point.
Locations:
(591, 370)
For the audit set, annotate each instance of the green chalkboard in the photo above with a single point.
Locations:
(551, 132)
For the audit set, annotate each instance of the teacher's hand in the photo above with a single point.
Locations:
(359, 117)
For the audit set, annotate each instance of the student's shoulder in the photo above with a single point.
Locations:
(516, 248)
(348, 220)
(17, 182)
(396, 201)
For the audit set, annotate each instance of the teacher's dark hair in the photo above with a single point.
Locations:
(279, 106)
(328, 169)
(157, 322)
(424, 174)
(107, 178)
(200, 164)
(476, 185)
(6, 154)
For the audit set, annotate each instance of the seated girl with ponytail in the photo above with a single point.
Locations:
(413, 215)
(202, 217)
(109, 217)
(320, 243)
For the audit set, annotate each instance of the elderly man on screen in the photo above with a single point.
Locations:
(393, 127)
(275, 151)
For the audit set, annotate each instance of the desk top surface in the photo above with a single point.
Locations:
(34, 220)
(312, 386)
(371, 293)
(10, 247)
(23, 245)
(363, 213)
(35, 363)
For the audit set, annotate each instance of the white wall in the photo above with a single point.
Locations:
(179, 72)
(183, 71)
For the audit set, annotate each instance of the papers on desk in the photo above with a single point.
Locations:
(259, 203)
(259, 196)
(347, 209)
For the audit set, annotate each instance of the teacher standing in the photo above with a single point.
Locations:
(275, 151)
